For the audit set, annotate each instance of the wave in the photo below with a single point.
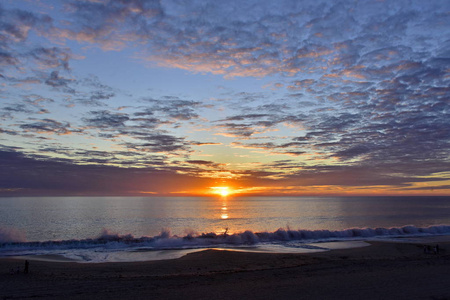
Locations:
(10, 235)
(165, 240)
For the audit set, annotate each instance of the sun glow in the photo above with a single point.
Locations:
(221, 190)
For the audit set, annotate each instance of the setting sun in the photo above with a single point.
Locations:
(221, 190)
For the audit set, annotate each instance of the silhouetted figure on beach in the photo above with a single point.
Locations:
(437, 249)
(27, 265)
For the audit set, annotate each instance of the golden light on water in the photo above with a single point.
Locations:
(223, 192)
(224, 209)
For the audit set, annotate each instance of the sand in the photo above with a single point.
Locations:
(382, 270)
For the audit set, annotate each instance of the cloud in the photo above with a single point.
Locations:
(361, 87)
(9, 132)
(15, 51)
(284, 38)
(56, 81)
(172, 108)
(16, 25)
(106, 120)
(276, 38)
(291, 148)
(8, 60)
(247, 125)
(37, 100)
(17, 108)
(112, 24)
(48, 126)
(159, 143)
(204, 143)
(34, 175)
(205, 163)
(51, 58)
(352, 152)
(247, 116)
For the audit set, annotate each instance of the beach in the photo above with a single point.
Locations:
(382, 270)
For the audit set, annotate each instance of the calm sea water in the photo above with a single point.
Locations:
(151, 223)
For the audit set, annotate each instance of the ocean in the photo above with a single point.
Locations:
(101, 229)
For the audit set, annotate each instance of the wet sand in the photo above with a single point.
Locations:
(380, 271)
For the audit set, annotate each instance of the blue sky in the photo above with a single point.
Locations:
(266, 97)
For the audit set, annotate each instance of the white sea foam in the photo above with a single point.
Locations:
(11, 241)
(11, 235)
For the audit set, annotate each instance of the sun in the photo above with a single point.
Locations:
(224, 192)
(221, 190)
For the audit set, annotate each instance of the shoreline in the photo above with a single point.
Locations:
(169, 254)
(383, 270)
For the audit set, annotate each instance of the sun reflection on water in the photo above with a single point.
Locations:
(224, 209)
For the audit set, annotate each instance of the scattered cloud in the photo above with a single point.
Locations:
(47, 126)
(352, 93)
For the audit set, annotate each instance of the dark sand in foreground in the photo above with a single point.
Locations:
(380, 271)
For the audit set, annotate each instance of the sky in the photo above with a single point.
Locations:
(142, 98)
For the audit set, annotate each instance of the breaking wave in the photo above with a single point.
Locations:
(12, 241)
(11, 235)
